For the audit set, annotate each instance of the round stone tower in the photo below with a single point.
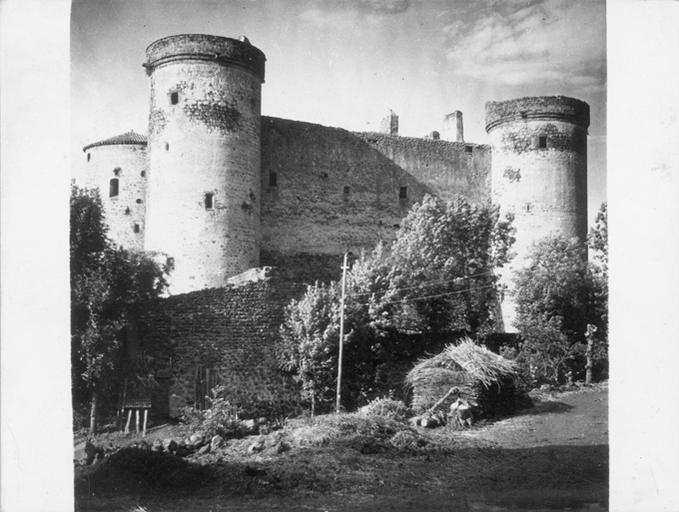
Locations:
(118, 168)
(204, 153)
(538, 172)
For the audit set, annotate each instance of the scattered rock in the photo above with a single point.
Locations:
(205, 449)
(196, 440)
(216, 442)
(170, 445)
(257, 446)
(252, 471)
(249, 425)
(157, 446)
(261, 420)
(264, 429)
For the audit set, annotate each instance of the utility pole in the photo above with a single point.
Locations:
(341, 336)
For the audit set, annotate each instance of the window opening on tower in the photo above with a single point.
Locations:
(209, 201)
(273, 179)
(174, 98)
(136, 228)
(403, 193)
(542, 141)
(113, 187)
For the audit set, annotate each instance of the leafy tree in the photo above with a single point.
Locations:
(598, 240)
(437, 276)
(557, 296)
(443, 267)
(309, 341)
(107, 283)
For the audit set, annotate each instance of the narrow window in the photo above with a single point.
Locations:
(174, 98)
(127, 211)
(139, 201)
(136, 228)
(403, 193)
(167, 146)
(88, 157)
(209, 201)
(397, 226)
(116, 171)
(347, 189)
(542, 141)
(273, 179)
(469, 149)
(113, 187)
(143, 174)
(528, 207)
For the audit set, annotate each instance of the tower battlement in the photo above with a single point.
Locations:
(558, 108)
(225, 50)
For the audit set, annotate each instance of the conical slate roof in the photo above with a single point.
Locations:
(130, 137)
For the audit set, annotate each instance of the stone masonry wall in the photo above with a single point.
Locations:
(326, 190)
(129, 165)
(204, 142)
(230, 332)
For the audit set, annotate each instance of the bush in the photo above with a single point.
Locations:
(386, 408)
(220, 418)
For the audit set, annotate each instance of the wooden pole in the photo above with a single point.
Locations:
(341, 336)
(136, 420)
(129, 418)
(146, 415)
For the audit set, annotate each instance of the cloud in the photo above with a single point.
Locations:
(523, 42)
(355, 12)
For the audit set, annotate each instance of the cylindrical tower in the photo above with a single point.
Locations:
(539, 172)
(204, 149)
(118, 168)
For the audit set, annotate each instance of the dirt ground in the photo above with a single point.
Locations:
(551, 457)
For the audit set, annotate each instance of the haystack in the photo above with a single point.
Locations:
(479, 375)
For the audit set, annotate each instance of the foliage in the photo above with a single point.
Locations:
(219, 418)
(557, 295)
(387, 408)
(309, 336)
(437, 276)
(107, 283)
(447, 252)
(598, 240)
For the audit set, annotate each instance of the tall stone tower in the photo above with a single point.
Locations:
(538, 172)
(118, 167)
(204, 151)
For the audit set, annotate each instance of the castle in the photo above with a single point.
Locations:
(215, 188)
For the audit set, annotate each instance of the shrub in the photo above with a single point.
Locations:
(387, 408)
(220, 418)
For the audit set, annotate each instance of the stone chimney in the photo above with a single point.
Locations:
(389, 124)
(453, 129)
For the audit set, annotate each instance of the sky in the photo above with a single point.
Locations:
(346, 63)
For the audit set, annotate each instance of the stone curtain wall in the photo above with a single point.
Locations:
(448, 168)
(326, 190)
(229, 331)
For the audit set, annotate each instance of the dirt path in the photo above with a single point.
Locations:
(552, 457)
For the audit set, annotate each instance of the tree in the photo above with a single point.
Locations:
(557, 296)
(437, 276)
(598, 240)
(309, 341)
(444, 265)
(107, 284)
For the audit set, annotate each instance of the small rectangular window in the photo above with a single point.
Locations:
(136, 228)
(273, 179)
(347, 189)
(469, 149)
(403, 193)
(209, 201)
(542, 141)
(113, 187)
(88, 157)
(174, 98)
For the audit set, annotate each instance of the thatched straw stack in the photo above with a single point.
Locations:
(480, 376)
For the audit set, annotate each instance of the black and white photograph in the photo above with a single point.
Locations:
(340, 255)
